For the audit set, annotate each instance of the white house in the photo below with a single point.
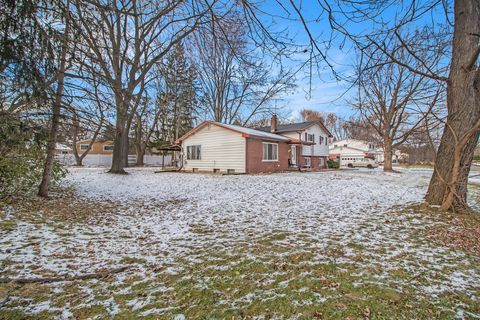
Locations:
(218, 147)
(357, 148)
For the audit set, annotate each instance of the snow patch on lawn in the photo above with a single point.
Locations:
(171, 216)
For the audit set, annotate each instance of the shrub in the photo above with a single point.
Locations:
(332, 164)
(22, 156)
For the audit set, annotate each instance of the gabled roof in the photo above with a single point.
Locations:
(332, 150)
(99, 140)
(293, 127)
(255, 132)
(246, 132)
(62, 147)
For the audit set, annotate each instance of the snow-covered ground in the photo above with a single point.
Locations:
(164, 218)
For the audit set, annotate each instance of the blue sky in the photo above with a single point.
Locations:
(326, 93)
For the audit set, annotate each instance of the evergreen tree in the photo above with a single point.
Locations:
(177, 97)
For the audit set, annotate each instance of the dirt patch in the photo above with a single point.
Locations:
(63, 205)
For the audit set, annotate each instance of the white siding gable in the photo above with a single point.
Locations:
(352, 143)
(317, 149)
(347, 151)
(221, 148)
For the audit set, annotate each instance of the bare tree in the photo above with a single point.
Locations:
(393, 100)
(453, 38)
(448, 186)
(87, 118)
(312, 115)
(125, 39)
(237, 85)
(337, 126)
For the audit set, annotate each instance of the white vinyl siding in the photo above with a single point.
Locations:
(292, 135)
(306, 150)
(220, 149)
(318, 149)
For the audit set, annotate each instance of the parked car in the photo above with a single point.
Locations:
(358, 162)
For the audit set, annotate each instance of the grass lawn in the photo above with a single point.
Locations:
(332, 245)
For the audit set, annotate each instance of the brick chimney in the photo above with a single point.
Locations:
(273, 123)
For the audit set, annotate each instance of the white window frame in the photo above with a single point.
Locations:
(107, 149)
(87, 147)
(264, 155)
(198, 153)
(308, 162)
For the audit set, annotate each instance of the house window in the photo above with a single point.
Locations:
(107, 148)
(270, 152)
(308, 162)
(84, 147)
(310, 137)
(193, 152)
(320, 140)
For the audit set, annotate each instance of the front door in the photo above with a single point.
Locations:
(294, 155)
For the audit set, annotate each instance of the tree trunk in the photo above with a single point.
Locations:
(139, 146)
(79, 162)
(52, 141)
(140, 155)
(76, 129)
(126, 144)
(387, 155)
(463, 102)
(120, 148)
(56, 109)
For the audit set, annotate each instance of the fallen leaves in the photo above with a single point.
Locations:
(461, 232)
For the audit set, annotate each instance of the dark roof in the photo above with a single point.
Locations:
(294, 127)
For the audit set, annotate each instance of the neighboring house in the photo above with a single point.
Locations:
(218, 147)
(62, 149)
(356, 148)
(98, 147)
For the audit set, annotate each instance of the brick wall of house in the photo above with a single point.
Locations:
(254, 157)
(315, 162)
